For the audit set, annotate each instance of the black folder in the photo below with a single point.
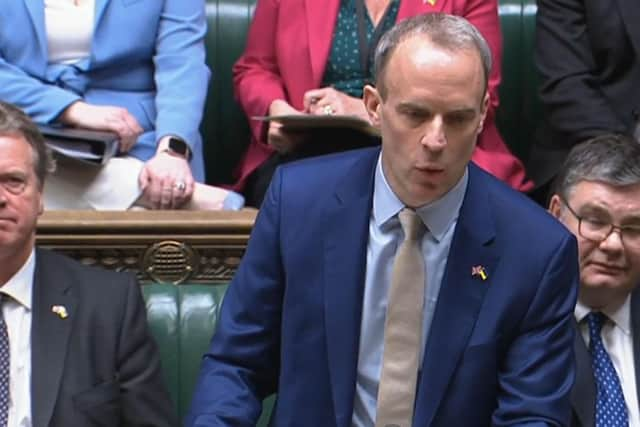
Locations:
(91, 146)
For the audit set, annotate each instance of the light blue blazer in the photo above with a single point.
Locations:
(147, 56)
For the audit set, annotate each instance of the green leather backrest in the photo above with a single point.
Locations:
(519, 109)
(182, 320)
(224, 126)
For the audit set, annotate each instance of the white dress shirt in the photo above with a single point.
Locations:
(69, 29)
(385, 234)
(16, 309)
(617, 338)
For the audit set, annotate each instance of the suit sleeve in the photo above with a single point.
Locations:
(42, 101)
(144, 396)
(538, 370)
(241, 367)
(256, 76)
(574, 105)
(181, 74)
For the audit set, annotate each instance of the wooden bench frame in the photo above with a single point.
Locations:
(159, 246)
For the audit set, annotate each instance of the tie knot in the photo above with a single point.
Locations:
(411, 223)
(595, 320)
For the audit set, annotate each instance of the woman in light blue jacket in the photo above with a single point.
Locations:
(133, 67)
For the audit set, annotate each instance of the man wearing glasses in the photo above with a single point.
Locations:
(597, 197)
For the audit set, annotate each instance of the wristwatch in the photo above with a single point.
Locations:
(177, 146)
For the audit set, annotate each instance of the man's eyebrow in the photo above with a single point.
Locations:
(599, 209)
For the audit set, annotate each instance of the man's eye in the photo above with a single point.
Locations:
(632, 232)
(458, 119)
(596, 222)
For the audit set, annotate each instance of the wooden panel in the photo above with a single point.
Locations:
(159, 246)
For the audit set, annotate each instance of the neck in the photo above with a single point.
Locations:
(376, 9)
(598, 299)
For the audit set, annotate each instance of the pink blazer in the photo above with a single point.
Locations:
(288, 46)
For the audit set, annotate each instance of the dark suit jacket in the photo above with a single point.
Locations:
(99, 366)
(587, 56)
(583, 395)
(500, 350)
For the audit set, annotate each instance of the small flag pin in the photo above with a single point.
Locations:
(60, 310)
(479, 270)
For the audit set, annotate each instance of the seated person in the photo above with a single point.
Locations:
(75, 348)
(597, 197)
(303, 57)
(135, 68)
(587, 57)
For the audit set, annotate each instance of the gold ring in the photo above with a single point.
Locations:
(328, 110)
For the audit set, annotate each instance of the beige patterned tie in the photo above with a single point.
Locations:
(403, 328)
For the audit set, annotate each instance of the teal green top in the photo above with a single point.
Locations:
(344, 71)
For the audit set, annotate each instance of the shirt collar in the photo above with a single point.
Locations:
(619, 314)
(20, 286)
(437, 215)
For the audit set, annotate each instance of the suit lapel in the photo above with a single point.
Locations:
(460, 299)
(36, 13)
(49, 335)
(345, 262)
(321, 19)
(630, 14)
(583, 393)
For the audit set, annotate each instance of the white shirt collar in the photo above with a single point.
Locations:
(437, 215)
(620, 314)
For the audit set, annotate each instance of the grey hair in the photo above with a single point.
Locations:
(448, 32)
(15, 122)
(611, 159)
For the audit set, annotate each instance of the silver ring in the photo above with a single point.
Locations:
(328, 110)
(180, 186)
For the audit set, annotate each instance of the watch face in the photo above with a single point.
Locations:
(178, 146)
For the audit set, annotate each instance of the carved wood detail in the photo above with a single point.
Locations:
(158, 246)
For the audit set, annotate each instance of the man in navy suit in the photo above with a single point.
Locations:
(305, 314)
(597, 197)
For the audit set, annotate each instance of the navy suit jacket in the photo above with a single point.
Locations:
(146, 56)
(500, 350)
(583, 395)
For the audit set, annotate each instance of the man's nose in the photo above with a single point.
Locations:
(613, 242)
(434, 136)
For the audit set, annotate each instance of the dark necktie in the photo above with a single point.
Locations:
(4, 367)
(611, 409)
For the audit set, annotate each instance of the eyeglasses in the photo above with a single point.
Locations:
(13, 184)
(597, 230)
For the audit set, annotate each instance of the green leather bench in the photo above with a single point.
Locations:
(182, 319)
(225, 129)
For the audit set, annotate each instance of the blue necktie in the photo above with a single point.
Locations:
(611, 409)
(4, 368)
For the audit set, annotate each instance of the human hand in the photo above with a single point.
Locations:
(105, 118)
(280, 139)
(166, 181)
(329, 101)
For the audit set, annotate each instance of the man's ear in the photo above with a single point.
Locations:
(483, 111)
(555, 206)
(372, 103)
